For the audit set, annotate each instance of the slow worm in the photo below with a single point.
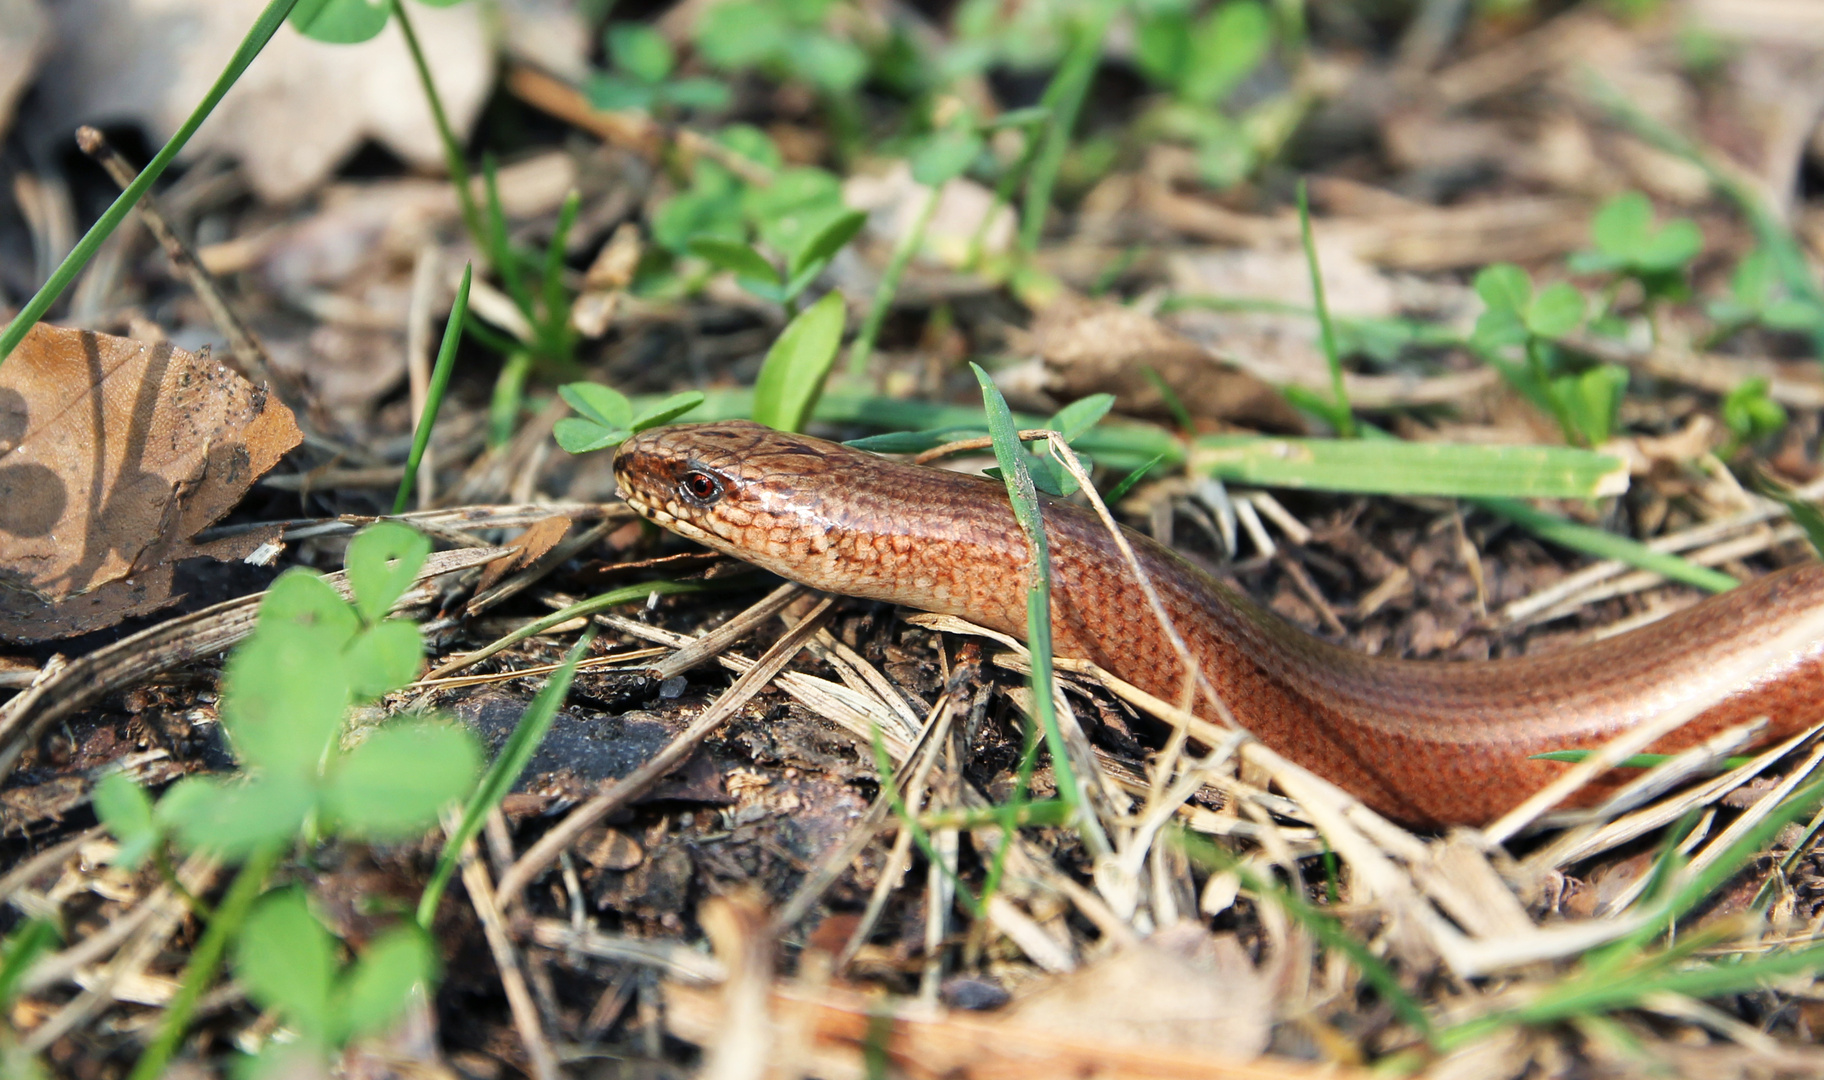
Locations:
(1428, 742)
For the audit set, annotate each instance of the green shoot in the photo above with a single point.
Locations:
(1337, 410)
(1025, 499)
(286, 960)
(507, 767)
(433, 395)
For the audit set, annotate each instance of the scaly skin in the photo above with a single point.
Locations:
(1427, 742)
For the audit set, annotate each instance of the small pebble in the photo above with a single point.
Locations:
(673, 687)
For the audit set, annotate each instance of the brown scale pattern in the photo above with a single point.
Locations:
(1426, 742)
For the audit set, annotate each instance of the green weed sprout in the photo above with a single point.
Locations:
(1201, 61)
(288, 962)
(1758, 297)
(606, 418)
(1584, 399)
(1750, 415)
(286, 693)
(1629, 244)
(642, 63)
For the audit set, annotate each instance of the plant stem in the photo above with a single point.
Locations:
(263, 28)
(863, 347)
(1065, 98)
(452, 152)
(229, 915)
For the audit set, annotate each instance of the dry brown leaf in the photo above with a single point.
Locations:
(1094, 346)
(113, 453)
(531, 546)
(1183, 988)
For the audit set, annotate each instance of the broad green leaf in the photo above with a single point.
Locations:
(579, 436)
(823, 247)
(1080, 415)
(1591, 400)
(286, 960)
(1504, 287)
(1225, 48)
(742, 33)
(385, 658)
(285, 693)
(944, 156)
(28, 941)
(1671, 247)
(1792, 314)
(379, 985)
(1622, 226)
(696, 93)
(604, 405)
(123, 807)
(733, 256)
(697, 212)
(640, 51)
(798, 363)
(1556, 311)
(341, 22)
(1752, 283)
(395, 783)
(666, 411)
(383, 561)
(1162, 48)
(235, 818)
(829, 63)
(613, 93)
(302, 597)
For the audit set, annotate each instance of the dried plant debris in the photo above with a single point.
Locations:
(114, 453)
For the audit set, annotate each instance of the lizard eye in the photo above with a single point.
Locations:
(700, 487)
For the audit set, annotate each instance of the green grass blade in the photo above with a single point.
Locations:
(433, 394)
(263, 28)
(1064, 97)
(527, 735)
(1011, 456)
(452, 150)
(1339, 399)
(1607, 545)
(1395, 467)
(863, 347)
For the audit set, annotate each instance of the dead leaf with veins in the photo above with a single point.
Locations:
(114, 453)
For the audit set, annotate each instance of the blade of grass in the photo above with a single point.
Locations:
(626, 594)
(1344, 418)
(1607, 545)
(1011, 456)
(863, 347)
(1395, 467)
(527, 735)
(1322, 926)
(554, 329)
(433, 394)
(263, 28)
(1064, 97)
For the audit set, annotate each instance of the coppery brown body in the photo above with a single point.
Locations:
(1427, 742)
